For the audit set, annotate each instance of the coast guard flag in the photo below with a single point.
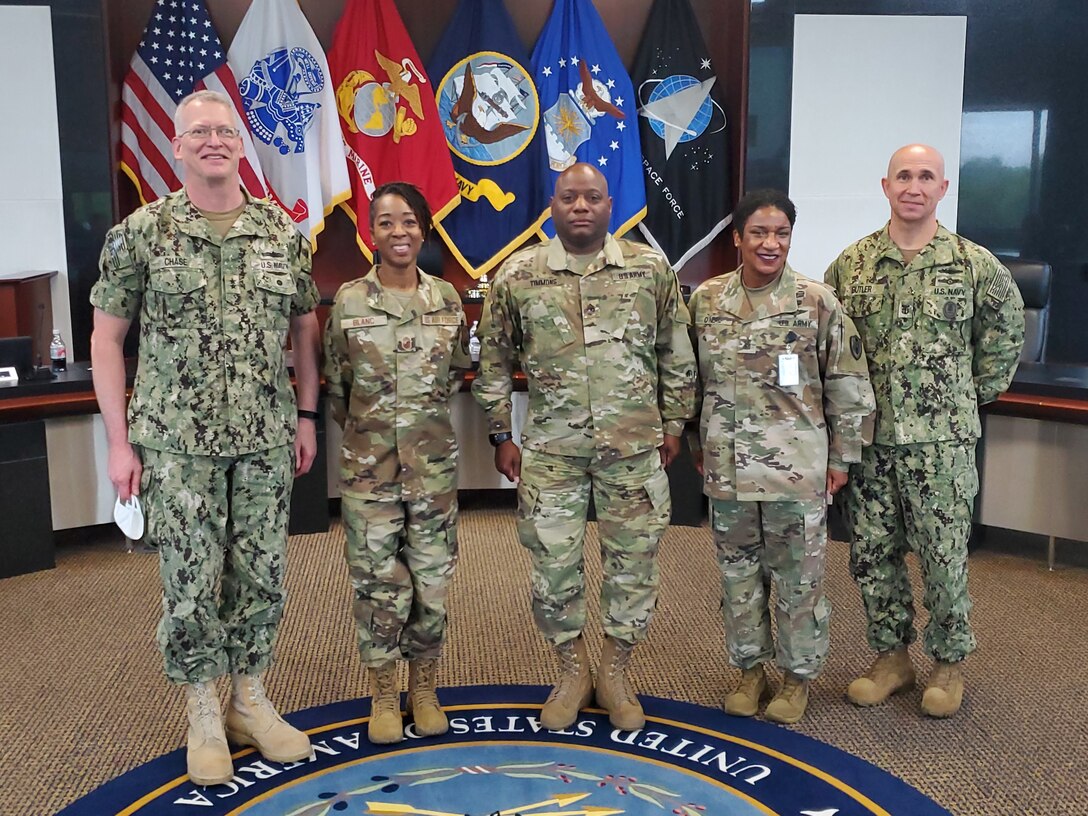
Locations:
(388, 116)
(290, 108)
(684, 143)
(180, 53)
(490, 116)
(588, 109)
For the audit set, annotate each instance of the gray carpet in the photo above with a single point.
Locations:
(84, 697)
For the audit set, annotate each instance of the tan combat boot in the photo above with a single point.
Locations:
(253, 720)
(385, 723)
(749, 693)
(944, 692)
(788, 706)
(207, 756)
(574, 689)
(423, 704)
(891, 672)
(614, 693)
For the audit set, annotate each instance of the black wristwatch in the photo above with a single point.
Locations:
(498, 438)
(303, 414)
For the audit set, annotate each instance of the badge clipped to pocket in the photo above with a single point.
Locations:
(789, 373)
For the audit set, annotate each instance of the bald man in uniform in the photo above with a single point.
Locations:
(942, 323)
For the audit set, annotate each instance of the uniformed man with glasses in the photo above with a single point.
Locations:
(213, 434)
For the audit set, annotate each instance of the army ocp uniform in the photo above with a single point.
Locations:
(391, 367)
(767, 445)
(604, 346)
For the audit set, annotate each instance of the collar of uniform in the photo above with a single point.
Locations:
(429, 295)
(937, 252)
(782, 299)
(556, 254)
(191, 222)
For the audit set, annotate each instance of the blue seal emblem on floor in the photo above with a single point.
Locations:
(497, 760)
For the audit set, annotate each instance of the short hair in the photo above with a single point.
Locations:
(202, 96)
(415, 200)
(758, 199)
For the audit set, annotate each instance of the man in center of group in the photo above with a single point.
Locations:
(601, 332)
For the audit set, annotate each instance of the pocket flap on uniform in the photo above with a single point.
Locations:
(175, 280)
(528, 498)
(863, 305)
(951, 309)
(657, 489)
(273, 282)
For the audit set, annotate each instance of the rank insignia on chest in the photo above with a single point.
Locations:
(906, 310)
(407, 344)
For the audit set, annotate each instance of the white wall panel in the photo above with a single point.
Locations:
(31, 204)
(864, 86)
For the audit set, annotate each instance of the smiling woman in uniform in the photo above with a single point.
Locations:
(393, 343)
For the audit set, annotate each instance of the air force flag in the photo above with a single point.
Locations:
(490, 114)
(588, 108)
(685, 148)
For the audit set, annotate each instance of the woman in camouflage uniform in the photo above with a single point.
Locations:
(393, 343)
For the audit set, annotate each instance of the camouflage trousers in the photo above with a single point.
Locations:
(913, 497)
(633, 505)
(784, 540)
(401, 556)
(219, 522)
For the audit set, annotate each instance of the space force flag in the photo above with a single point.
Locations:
(387, 112)
(685, 148)
(290, 108)
(180, 53)
(489, 110)
(588, 108)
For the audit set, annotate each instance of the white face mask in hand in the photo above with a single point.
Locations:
(129, 517)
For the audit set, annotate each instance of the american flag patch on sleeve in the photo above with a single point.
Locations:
(998, 290)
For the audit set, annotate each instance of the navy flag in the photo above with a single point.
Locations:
(588, 108)
(490, 114)
(685, 148)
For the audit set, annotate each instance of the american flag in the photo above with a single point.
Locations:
(180, 53)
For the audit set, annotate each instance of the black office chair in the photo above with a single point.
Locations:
(1033, 280)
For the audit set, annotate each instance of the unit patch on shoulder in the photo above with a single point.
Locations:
(855, 346)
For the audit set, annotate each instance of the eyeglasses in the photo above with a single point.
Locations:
(202, 133)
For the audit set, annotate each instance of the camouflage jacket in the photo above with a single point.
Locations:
(214, 314)
(391, 372)
(606, 353)
(763, 441)
(942, 334)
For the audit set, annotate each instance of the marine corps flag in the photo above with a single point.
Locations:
(588, 108)
(290, 108)
(685, 147)
(387, 111)
(490, 116)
